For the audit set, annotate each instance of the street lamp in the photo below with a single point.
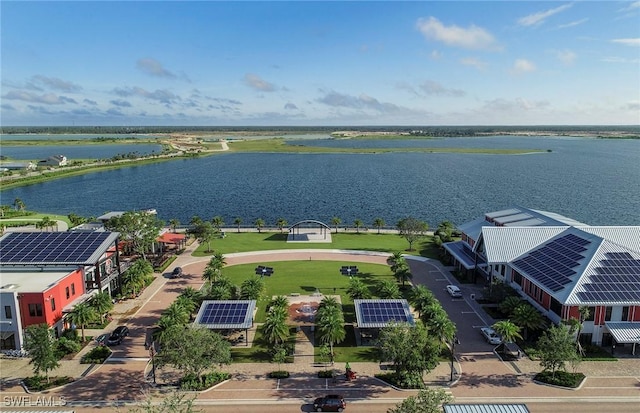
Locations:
(454, 341)
(152, 353)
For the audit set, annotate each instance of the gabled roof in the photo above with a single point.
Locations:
(502, 244)
(473, 228)
(627, 237)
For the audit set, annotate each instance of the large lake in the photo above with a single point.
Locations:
(595, 181)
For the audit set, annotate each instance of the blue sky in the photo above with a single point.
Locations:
(212, 63)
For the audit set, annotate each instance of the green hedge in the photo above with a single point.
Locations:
(561, 378)
(326, 374)
(405, 381)
(279, 374)
(40, 383)
(204, 381)
(97, 355)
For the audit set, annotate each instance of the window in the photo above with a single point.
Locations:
(7, 312)
(607, 314)
(73, 289)
(517, 278)
(502, 269)
(35, 310)
(53, 304)
(625, 314)
(66, 290)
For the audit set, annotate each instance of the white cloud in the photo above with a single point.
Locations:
(566, 57)
(632, 6)
(160, 95)
(540, 17)
(56, 83)
(473, 37)
(47, 98)
(154, 68)
(472, 61)
(628, 42)
(522, 66)
(434, 88)
(257, 83)
(573, 23)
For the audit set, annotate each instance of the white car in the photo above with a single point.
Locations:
(454, 291)
(490, 335)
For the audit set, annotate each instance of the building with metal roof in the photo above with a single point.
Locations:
(485, 408)
(559, 265)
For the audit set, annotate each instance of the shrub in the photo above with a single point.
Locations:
(97, 355)
(562, 378)
(326, 374)
(279, 374)
(405, 381)
(66, 346)
(71, 334)
(39, 383)
(204, 381)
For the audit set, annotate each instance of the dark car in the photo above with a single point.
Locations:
(177, 272)
(118, 334)
(329, 403)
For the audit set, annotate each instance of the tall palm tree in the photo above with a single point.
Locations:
(403, 274)
(329, 301)
(387, 289)
(237, 222)
(378, 223)
(187, 303)
(335, 221)
(217, 222)
(102, 303)
(357, 223)
(442, 327)
(251, 288)
(214, 267)
(330, 326)
(281, 223)
(396, 259)
(177, 313)
(192, 294)
(82, 315)
(174, 224)
(259, 223)
(509, 304)
(357, 289)
(275, 329)
(421, 297)
(527, 317)
(278, 301)
(509, 331)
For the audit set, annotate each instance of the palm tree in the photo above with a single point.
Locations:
(192, 294)
(278, 301)
(357, 290)
(177, 313)
(395, 259)
(509, 304)
(135, 276)
(281, 223)
(335, 221)
(174, 224)
(442, 327)
(214, 267)
(329, 301)
(237, 222)
(357, 223)
(275, 329)
(187, 303)
(220, 292)
(82, 315)
(527, 317)
(387, 289)
(102, 303)
(378, 223)
(421, 297)
(217, 222)
(584, 312)
(251, 288)
(259, 223)
(330, 326)
(507, 330)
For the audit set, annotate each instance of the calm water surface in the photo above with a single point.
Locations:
(591, 180)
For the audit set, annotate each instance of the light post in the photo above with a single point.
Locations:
(454, 341)
(152, 353)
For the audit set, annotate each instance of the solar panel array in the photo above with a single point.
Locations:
(378, 313)
(226, 314)
(262, 270)
(348, 270)
(617, 278)
(552, 265)
(50, 247)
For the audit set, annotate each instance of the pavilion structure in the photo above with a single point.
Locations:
(309, 231)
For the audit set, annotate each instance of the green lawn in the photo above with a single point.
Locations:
(304, 277)
(369, 241)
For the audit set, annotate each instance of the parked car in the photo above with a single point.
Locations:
(177, 272)
(329, 403)
(117, 335)
(454, 291)
(490, 335)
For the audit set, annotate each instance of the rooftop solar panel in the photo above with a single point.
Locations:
(616, 278)
(54, 247)
(379, 313)
(226, 314)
